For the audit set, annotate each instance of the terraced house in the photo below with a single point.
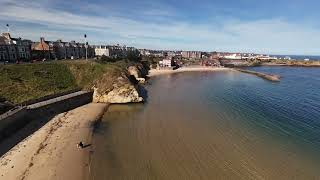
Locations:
(42, 50)
(191, 54)
(60, 50)
(115, 51)
(14, 49)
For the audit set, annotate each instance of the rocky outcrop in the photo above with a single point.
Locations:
(122, 89)
(138, 73)
(119, 94)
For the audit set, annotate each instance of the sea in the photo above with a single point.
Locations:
(215, 125)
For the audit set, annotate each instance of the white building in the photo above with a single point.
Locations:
(145, 52)
(171, 54)
(102, 51)
(191, 54)
(233, 56)
(166, 63)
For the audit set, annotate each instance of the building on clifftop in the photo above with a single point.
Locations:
(14, 49)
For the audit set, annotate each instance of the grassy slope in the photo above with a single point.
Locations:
(19, 83)
(87, 73)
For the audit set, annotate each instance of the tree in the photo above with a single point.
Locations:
(107, 59)
(134, 55)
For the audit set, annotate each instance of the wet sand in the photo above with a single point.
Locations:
(51, 152)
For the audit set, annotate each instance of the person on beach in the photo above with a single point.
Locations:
(80, 145)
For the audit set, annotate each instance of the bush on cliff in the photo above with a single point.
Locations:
(30, 81)
(87, 73)
(108, 59)
(23, 82)
(151, 61)
(134, 56)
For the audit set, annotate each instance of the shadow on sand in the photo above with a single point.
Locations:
(31, 122)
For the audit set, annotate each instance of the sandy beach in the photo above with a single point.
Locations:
(51, 152)
(155, 72)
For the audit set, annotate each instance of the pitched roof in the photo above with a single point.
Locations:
(40, 46)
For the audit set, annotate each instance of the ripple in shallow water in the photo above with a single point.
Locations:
(221, 125)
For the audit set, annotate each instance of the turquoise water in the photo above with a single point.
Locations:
(292, 107)
(215, 125)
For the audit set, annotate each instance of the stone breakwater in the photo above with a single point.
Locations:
(269, 77)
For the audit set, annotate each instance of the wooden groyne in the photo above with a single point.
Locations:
(269, 77)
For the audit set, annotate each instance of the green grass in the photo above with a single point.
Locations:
(87, 73)
(29, 81)
(22, 82)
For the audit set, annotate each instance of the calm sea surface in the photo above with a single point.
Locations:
(215, 125)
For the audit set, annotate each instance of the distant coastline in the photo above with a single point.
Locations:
(198, 68)
(299, 57)
(156, 72)
(293, 63)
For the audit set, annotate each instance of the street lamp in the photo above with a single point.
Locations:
(86, 46)
(8, 28)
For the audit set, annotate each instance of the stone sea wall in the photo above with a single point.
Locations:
(17, 120)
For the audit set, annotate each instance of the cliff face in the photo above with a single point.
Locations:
(120, 90)
(138, 72)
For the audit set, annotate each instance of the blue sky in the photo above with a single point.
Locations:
(272, 27)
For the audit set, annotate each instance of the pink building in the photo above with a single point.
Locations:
(166, 63)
